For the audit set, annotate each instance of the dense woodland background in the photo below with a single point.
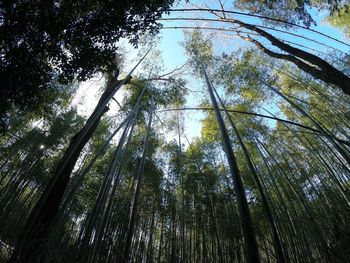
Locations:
(268, 179)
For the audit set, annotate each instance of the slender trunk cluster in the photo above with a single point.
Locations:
(251, 253)
(43, 214)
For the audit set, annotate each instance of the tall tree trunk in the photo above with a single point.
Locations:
(96, 221)
(140, 171)
(42, 216)
(32, 238)
(314, 65)
(276, 239)
(251, 252)
(183, 244)
(215, 229)
(149, 251)
(323, 131)
(160, 246)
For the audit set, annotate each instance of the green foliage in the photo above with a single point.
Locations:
(210, 128)
(50, 101)
(198, 48)
(36, 151)
(341, 19)
(164, 94)
(294, 11)
(238, 74)
(187, 207)
(41, 40)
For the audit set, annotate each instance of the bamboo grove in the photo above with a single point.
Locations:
(268, 180)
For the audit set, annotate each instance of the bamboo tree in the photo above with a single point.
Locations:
(43, 214)
(269, 215)
(140, 170)
(318, 126)
(314, 65)
(251, 249)
(183, 247)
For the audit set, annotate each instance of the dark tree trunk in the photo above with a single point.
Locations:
(139, 176)
(251, 252)
(30, 245)
(276, 239)
(315, 65)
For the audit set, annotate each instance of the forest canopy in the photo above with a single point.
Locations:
(45, 41)
(175, 131)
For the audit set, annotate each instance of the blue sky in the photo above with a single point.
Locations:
(173, 56)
